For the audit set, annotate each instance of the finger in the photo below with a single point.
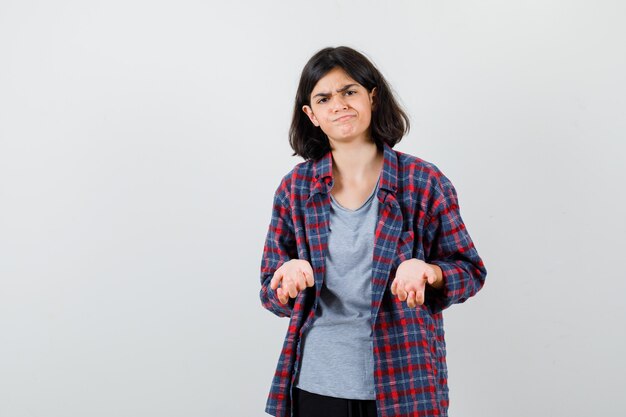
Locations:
(394, 285)
(278, 275)
(291, 289)
(301, 284)
(280, 295)
(310, 280)
(419, 298)
(431, 277)
(402, 294)
(410, 301)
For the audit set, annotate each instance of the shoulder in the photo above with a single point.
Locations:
(426, 178)
(420, 171)
(297, 180)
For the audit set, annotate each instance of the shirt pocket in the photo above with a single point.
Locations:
(422, 328)
(407, 344)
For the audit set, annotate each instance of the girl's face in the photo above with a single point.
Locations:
(341, 107)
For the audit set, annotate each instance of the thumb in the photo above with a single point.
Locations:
(431, 277)
(278, 275)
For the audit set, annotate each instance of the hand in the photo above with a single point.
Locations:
(410, 281)
(295, 275)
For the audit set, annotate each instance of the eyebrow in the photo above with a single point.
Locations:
(341, 90)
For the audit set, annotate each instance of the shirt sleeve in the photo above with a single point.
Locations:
(452, 249)
(280, 246)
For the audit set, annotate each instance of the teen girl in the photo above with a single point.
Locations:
(365, 248)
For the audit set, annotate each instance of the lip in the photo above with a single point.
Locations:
(344, 118)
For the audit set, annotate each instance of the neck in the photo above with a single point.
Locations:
(355, 161)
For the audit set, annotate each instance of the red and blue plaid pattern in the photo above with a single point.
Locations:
(419, 217)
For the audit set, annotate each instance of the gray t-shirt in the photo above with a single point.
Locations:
(337, 349)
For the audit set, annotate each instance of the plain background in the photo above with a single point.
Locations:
(141, 143)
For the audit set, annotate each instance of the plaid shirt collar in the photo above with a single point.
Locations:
(323, 176)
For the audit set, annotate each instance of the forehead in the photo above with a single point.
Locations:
(333, 80)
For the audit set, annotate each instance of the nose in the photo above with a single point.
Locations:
(338, 102)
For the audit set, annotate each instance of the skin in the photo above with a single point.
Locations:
(293, 276)
(411, 278)
(343, 108)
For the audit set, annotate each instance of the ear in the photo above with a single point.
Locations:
(372, 95)
(309, 112)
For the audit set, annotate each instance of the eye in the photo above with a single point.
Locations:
(350, 92)
(322, 100)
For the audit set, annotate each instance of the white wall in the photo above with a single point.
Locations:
(141, 142)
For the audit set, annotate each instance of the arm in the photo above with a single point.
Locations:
(280, 246)
(449, 247)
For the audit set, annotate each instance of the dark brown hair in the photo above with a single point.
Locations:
(389, 122)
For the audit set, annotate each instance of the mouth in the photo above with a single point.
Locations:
(344, 118)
